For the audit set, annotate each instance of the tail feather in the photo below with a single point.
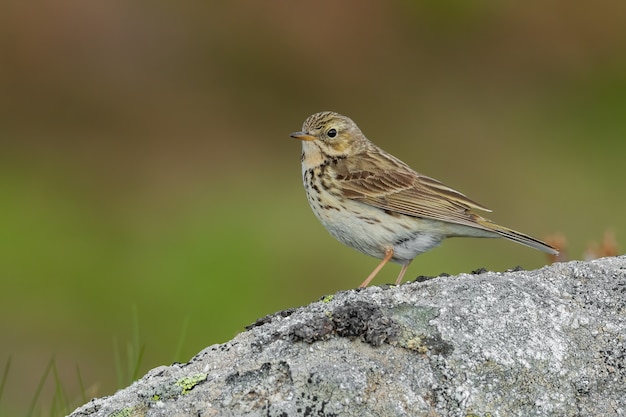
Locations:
(518, 237)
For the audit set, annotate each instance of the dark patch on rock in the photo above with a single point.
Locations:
(355, 321)
(437, 346)
(364, 321)
(268, 319)
(313, 331)
(423, 278)
(515, 269)
(311, 405)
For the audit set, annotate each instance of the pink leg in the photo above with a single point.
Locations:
(402, 272)
(388, 256)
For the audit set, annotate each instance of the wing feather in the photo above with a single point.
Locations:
(383, 181)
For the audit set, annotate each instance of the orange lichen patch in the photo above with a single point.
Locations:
(608, 247)
(558, 241)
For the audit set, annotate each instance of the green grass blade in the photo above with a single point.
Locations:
(40, 385)
(59, 392)
(118, 364)
(5, 375)
(181, 341)
(135, 372)
(81, 385)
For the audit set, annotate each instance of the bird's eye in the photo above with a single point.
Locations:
(331, 133)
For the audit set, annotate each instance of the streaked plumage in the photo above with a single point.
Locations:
(375, 203)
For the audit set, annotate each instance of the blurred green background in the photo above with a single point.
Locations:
(146, 164)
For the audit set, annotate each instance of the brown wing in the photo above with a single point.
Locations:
(385, 182)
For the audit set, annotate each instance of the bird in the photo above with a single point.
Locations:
(373, 202)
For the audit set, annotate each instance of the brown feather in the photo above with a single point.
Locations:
(399, 189)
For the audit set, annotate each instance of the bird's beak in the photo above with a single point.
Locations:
(302, 136)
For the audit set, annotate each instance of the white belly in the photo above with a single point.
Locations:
(372, 231)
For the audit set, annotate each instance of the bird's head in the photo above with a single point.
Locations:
(331, 135)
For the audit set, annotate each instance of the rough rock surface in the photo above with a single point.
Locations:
(550, 342)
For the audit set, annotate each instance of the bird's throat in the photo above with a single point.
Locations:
(312, 155)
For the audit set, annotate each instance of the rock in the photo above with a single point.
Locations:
(549, 342)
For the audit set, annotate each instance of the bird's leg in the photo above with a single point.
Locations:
(387, 258)
(402, 272)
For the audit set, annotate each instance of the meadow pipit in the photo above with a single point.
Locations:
(375, 203)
